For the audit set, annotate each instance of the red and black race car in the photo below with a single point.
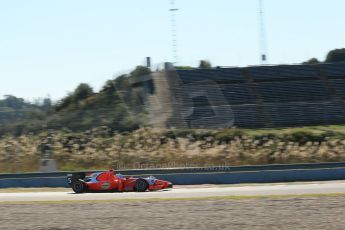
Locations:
(110, 181)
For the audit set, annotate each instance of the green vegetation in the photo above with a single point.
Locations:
(337, 55)
(312, 61)
(83, 109)
(205, 64)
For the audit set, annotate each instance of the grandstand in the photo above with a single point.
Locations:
(254, 97)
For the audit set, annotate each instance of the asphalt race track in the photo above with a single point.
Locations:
(331, 187)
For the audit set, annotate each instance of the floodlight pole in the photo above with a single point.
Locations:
(173, 11)
(263, 41)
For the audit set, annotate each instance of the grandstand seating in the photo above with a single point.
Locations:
(274, 96)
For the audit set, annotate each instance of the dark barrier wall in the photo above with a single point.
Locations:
(258, 96)
(256, 177)
(194, 176)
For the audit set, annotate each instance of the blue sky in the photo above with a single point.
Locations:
(49, 47)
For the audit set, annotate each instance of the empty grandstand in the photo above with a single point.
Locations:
(250, 97)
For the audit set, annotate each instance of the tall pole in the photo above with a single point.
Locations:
(263, 41)
(173, 11)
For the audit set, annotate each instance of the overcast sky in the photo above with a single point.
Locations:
(48, 47)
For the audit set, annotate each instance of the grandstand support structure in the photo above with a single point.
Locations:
(249, 97)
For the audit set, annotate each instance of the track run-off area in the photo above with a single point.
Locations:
(181, 192)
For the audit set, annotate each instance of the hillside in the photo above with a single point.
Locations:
(118, 105)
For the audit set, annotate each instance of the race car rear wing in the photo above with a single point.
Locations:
(75, 176)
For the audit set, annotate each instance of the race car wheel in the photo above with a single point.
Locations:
(141, 185)
(78, 186)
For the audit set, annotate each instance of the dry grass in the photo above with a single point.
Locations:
(162, 148)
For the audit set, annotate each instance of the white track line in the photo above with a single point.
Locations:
(257, 190)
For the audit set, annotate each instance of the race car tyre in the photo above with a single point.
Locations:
(78, 186)
(141, 185)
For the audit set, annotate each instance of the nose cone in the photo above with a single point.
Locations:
(170, 185)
